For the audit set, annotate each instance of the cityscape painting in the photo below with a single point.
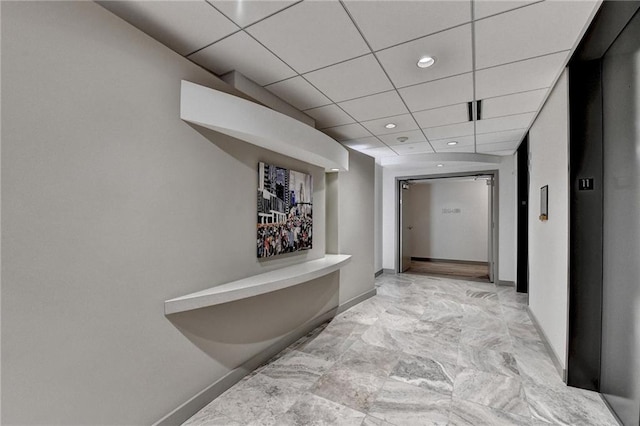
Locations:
(285, 211)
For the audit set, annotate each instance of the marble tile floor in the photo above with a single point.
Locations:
(423, 351)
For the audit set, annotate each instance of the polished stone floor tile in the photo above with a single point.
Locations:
(492, 390)
(260, 399)
(567, 406)
(353, 389)
(425, 350)
(312, 410)
(426, 373)
(488, 361)
(210, 417)
(298, 369)
(403, 404)
(368, 359)
(465, 413)
(492, 340)
(372, 421)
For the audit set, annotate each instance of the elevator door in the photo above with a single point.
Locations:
(620, 377)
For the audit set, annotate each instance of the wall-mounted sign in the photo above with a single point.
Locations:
(451, 211)
(585, 184)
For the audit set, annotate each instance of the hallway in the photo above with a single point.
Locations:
(423, 351)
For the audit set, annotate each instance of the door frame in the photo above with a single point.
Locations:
(493, 210)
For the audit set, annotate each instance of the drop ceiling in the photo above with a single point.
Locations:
(351, 65)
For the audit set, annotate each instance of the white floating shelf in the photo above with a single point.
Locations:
(258, 284)
(261, 126)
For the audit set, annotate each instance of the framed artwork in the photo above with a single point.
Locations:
(285, 211)
(544, 203)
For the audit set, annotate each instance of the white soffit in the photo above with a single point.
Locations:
(538, 29)
(266, 128)
(347, 132)
(451, 48)
(440, 157)
(386, 23)
(247, 12)
(182, 26)
(241, 53)
(299, 93)
(362, 144)
(311, 35)
(329, 116)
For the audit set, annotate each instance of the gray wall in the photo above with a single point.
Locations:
(357, 224)
(549, 240)
(111, 205)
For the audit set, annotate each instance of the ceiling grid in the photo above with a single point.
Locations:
(351, 64)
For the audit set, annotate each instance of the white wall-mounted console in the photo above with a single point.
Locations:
(258, 284)
(259, 125)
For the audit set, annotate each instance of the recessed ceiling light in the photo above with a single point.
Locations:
(426, 62)
(440, 165)
(335, 170)
(390, 125)
(452, 143)
(402, 139)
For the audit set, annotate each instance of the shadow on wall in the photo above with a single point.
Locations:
(234, 332)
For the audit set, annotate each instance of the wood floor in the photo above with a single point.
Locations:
(469, 271)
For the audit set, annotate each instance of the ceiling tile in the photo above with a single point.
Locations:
(451, 131)
(182, 26)
(504, 147)
(442, 116)
(465, 144)
(451, 48)
(386, 23)
(510, 122)
(299, 93)
(448, 91)
(385, 104)
(521, 76)
(246, 12)
(413, 136)
(499, 137)
(241, 53)
(347, 132)
(379, 152)
(403, 123)
(484, 8)
(513, 104)
(351, 79)
(329, 116)
(363, 143)
(535, 30)
(311, 35)
(413, 148)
